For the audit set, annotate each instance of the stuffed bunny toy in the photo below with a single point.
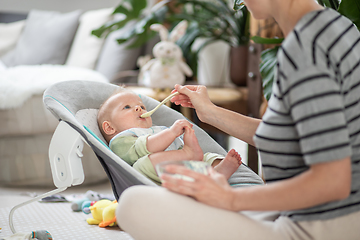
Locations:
(167, 67)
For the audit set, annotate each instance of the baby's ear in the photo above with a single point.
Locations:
(107, 128)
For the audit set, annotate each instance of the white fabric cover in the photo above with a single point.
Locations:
(17, 84)
(2, 66)
(86, 47)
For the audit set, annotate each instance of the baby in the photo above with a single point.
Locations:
(143, 145)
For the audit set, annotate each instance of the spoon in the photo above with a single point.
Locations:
(148, 114)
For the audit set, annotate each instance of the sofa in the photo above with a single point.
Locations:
(44, 48)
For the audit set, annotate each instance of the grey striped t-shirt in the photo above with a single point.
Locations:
(313, 115)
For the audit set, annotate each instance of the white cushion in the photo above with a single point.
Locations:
(86, 47)
(115, 57)
(46, 39)
(10, 33)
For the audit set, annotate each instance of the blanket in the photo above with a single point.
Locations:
(18, 84)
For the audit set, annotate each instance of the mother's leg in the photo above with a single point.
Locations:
(156, 213)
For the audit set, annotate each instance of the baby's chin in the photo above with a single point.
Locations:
(145, 124)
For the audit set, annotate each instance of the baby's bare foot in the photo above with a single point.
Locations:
(191, 147)
(229, 164)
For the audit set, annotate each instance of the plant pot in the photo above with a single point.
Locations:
(213, 64)
(238, 64)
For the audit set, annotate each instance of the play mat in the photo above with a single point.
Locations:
(57, 218)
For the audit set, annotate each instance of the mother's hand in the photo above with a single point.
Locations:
(194, 96)
(212, 190)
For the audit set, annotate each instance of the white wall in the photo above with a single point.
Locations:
(23, 6)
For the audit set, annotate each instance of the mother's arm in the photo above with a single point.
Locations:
(232, 123)
(321, 183)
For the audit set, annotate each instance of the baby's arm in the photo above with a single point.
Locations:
(160, 141)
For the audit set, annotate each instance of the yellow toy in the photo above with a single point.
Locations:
(103, 213)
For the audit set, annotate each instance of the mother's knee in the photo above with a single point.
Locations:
(134, 203)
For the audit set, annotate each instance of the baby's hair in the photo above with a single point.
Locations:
(120, 89)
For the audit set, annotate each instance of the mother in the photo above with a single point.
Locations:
(308, 139)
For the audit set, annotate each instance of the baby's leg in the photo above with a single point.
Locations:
(229, 164)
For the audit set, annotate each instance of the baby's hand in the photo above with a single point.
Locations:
(179, 126)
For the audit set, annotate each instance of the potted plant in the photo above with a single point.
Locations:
(214, 20)
(217, 20)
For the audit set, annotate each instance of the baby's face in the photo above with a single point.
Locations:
(126, 111)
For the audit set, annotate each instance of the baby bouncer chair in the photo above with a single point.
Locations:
(75, 104)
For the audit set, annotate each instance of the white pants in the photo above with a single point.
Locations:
(156, 213)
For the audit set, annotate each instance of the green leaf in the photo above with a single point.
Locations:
(334, 4)
(351, 10)
(192, 61)
(122, 10)
(267, 70)
(141, 39)
(138, 6)
(238, 4)
(98, 32)
(109, 27)
(131, 8)
(125, 36)
(140, 33)
(262, 40)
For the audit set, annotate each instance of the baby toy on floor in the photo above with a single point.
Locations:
(82, 203)
(39, 235)
(103, 213)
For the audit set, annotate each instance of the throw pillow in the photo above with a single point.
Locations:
(115, 57)
(86, 47)
(46, 39)
(10, 33)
